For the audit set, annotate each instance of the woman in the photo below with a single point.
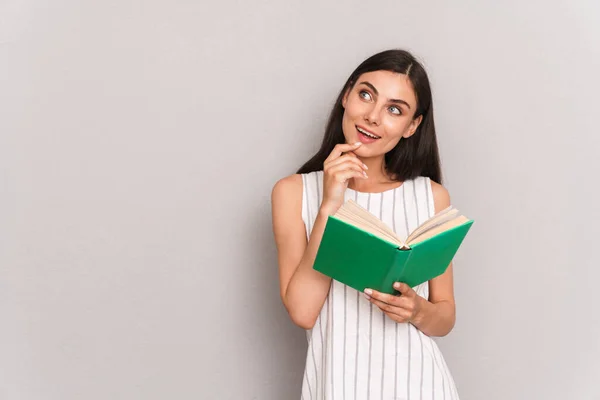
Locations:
(380, 149)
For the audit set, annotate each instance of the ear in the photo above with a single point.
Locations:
(413, 127)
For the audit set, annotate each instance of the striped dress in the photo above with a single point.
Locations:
(355, 351)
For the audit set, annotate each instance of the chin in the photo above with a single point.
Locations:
(362, 152)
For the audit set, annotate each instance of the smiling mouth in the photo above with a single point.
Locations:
(367, 134)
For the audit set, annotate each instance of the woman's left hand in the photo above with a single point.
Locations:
(403, 308)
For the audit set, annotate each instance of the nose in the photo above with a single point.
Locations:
(372, 116)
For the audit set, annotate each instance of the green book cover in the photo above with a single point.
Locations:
(362, 260)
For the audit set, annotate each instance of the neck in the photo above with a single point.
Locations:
(377, 175)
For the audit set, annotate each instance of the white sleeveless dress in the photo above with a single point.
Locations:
(355, 351)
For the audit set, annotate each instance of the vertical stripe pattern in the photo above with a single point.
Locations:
(355, 351)
(383, 320)
(395, 228)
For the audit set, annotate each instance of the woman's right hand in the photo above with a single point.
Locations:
(340, 166)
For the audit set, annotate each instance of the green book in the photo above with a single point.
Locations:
(359, 250)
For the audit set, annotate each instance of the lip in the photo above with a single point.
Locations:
(364, 139)
(368, 131)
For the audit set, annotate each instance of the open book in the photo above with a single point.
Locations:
(361, 251)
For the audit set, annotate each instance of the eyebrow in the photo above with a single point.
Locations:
(377, 94)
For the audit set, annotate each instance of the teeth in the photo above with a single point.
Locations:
(366, 133)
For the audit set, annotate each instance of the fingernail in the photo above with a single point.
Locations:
(396, 285)
(367, 296)
(365, 165)
(365, 174)
(368, 292)
(357, 143)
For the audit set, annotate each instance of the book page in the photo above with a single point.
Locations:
(367, 228)
(356, 215)
(355, 208)
(438, 219)
(353, 214)
(439, 229)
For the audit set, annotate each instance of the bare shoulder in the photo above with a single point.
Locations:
(441, 197)
(286, 209)
(288, 189)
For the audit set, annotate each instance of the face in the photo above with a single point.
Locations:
(379, 111)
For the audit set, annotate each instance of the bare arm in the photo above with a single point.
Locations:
(303, 290)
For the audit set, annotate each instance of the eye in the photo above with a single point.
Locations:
(365, 95)
(395, 110)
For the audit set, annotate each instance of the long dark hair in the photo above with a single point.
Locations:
(415, 156)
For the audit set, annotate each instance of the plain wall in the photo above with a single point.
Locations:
(139, 142)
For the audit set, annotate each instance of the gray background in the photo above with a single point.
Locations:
(140, 141)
